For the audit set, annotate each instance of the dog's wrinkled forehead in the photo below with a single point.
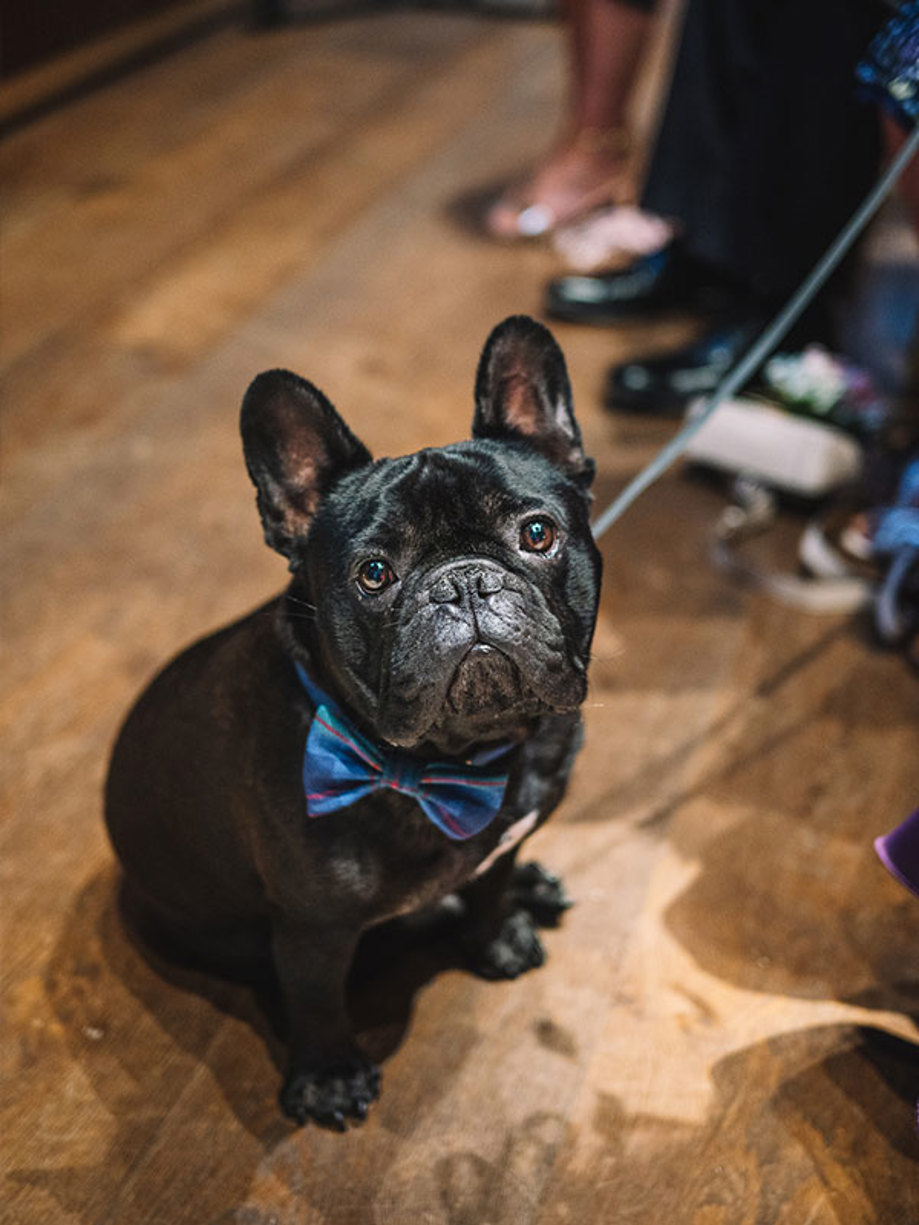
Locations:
(450, 499)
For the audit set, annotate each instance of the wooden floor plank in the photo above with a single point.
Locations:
(151, 330)
(43, 85)
(130, 217)
(725, 1031)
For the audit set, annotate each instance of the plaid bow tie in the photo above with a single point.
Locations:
(340, 765)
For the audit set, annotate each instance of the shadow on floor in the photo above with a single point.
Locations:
(149, 1035)
(816, 1125)
(789, 897)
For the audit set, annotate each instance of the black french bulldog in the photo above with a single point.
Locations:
(436, 631)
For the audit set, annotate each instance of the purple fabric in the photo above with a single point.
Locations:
(899, 852)
(340, 766)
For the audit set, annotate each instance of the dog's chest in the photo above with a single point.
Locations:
(396, 862)
(382, 857)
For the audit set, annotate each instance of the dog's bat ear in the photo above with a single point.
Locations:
(522, 393)
(296, 447)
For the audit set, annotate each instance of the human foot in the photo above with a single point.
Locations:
(591, 169)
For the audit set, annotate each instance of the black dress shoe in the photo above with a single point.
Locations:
(665, 281)
(665, 385)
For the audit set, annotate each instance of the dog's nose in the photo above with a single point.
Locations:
(445, 591)
(466, 582)
(488, 582)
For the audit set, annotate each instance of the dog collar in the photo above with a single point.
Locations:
(340, 765)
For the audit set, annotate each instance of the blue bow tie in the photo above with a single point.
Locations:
(340, 765)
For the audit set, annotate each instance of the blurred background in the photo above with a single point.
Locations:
(199, 190)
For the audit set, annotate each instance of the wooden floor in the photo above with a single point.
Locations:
(725, 1031)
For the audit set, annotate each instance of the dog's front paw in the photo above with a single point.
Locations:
(330, 1095)
(539, 892)
(516, 949)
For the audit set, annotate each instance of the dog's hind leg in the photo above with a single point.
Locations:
(241, 952)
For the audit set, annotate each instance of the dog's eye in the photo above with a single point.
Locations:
(375, 575)
(539, 535)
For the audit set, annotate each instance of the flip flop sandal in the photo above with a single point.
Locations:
(536, 219)
(623, 231)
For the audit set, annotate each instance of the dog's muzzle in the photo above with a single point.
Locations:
(485, 678)
(477, 646)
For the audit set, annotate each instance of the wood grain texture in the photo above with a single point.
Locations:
(34, 88)
(724, 1033)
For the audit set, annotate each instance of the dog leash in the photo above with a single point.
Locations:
(768, 339)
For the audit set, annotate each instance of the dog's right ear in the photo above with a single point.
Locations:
(296, 447)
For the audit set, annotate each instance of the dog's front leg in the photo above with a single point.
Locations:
(501, 938)
(328, 1079)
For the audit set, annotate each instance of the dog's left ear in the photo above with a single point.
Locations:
(296, 447)
(522, 394)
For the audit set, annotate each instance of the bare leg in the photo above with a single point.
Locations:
(589, 164)
(607, 40)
